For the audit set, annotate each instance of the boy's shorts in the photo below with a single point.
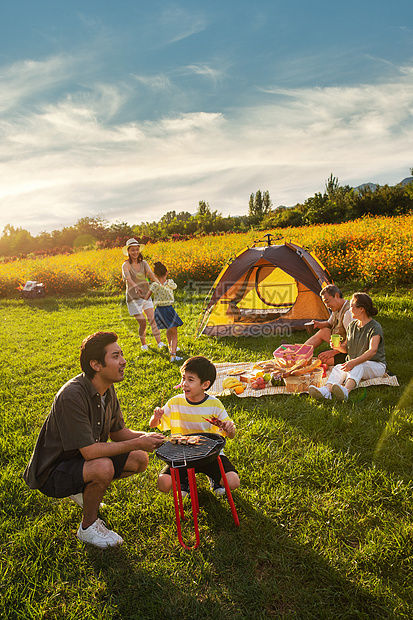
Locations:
(67, 477)
(210, 469)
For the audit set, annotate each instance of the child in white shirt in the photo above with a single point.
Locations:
(165, 315)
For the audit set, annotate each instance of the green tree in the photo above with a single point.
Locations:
(44, 241)
(119, 229)
(203, 209)
(251, 208)
(267, 204)
(168, 217)
(15, 241)
(259, 206)
(329, 207)
(95, 226)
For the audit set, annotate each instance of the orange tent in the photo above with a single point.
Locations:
(266, 290)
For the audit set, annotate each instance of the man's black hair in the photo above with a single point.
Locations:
(94, 348)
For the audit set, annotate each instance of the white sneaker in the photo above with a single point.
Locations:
(216, 488)
(161, 345)
(339, 391)
(176, 358)
(319, 393)
(78, 499)
(144, 347)
(185, 490)
(98, 535)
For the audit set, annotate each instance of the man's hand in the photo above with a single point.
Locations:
(327, 357)
(149, 441)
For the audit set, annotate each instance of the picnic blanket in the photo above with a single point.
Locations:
(224, 367)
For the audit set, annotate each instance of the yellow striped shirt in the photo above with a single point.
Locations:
(183, 417)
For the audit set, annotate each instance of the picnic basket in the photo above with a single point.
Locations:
(301, 383)
(289, 354)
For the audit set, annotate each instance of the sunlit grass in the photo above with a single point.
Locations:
(325, 502)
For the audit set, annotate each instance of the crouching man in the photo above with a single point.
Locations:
(72, 456)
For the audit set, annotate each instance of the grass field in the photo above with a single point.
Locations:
(325, 503)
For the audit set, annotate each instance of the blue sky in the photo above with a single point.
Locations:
(130, 109)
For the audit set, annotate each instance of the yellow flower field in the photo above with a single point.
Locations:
(369, 250)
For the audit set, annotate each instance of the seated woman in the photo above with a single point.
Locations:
(365, 352)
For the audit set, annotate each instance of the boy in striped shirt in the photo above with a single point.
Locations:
(186, 413)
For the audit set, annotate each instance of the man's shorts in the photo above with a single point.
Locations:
(67, 477)
(210, 469)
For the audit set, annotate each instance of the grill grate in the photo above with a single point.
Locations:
(181, 456)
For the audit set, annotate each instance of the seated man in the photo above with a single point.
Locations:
(72, 456)
(336, 324)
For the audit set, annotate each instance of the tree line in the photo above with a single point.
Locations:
(343, 203)
(336, 204)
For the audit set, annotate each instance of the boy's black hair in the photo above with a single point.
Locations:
(202, 367)
(159, 269)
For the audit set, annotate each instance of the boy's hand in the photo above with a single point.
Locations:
(158, 412)
(229, 427)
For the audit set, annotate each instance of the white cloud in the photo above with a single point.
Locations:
(29, 78)
(205, 71)
(154, 82)
(65, 161)
(175, 23)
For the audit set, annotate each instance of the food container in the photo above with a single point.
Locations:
(289, 354)
(248, 377)
(251, 377)
(301, 383)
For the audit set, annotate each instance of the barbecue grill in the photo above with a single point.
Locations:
(179, 456)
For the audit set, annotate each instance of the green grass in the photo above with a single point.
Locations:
(325, 503)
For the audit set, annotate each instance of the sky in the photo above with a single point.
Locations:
(127, 109)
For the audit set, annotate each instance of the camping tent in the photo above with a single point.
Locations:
(267, 290)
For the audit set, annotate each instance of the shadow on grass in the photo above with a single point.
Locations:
(54, 303)
(363, 427)
(255, 571)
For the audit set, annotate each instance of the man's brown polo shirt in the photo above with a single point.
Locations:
(76, 420)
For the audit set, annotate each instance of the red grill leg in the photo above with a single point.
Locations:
(228, 492)
(193, 490)
(177, 494)
(178, 504)
(179, 512)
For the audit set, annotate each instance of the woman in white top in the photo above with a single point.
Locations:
(135, 272)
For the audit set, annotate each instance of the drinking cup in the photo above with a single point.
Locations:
(335, 340)
(309, 327)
